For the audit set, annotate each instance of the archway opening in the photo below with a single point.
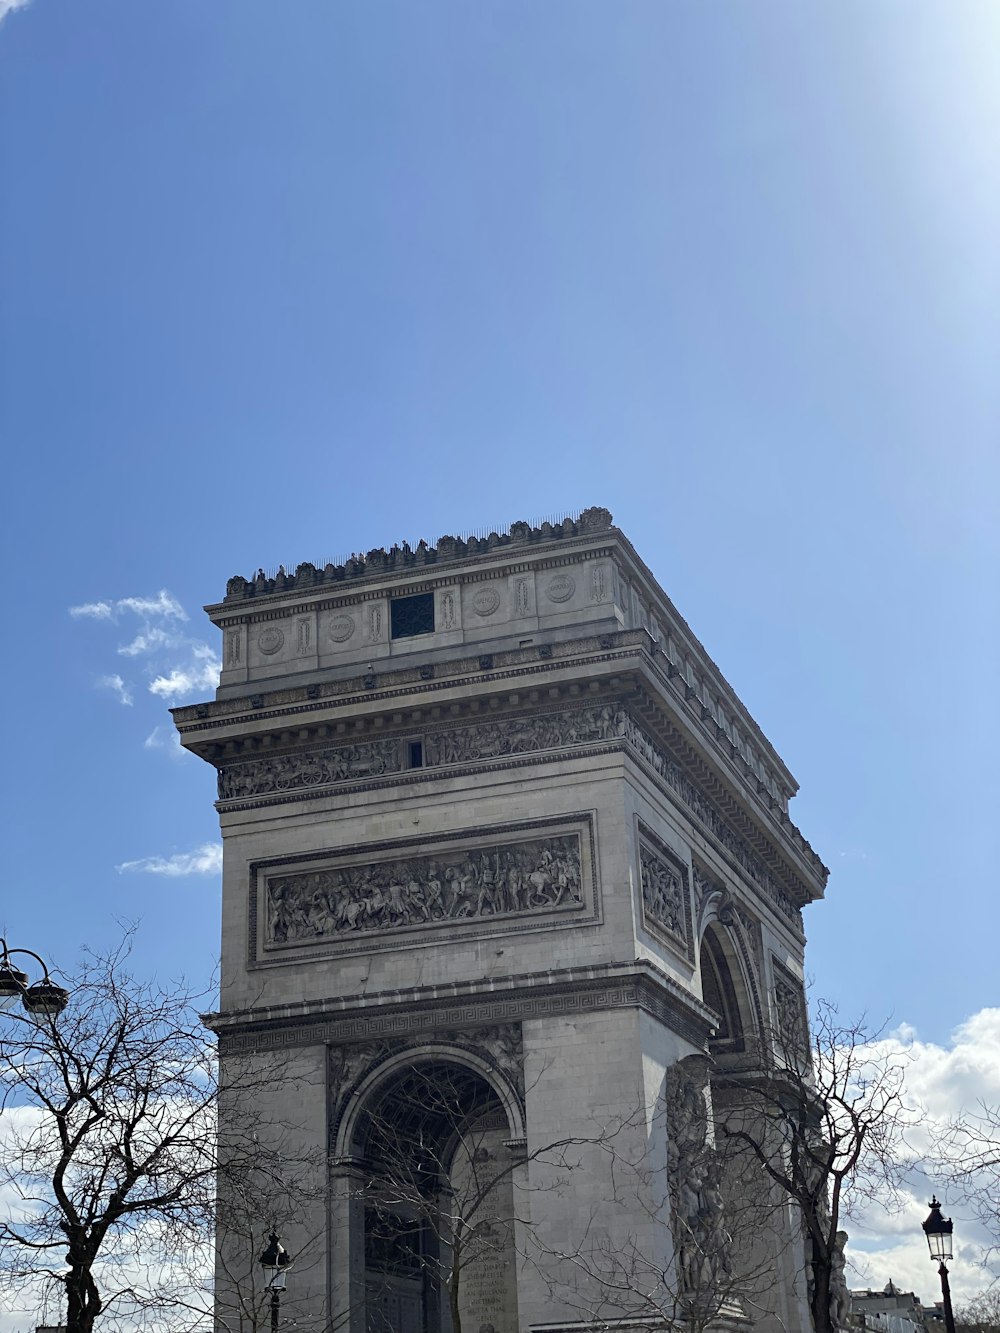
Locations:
(718, 990)
(438, 1203)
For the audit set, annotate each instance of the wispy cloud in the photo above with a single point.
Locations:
(8, 7)
(165, 738)
(147, 642)
(175, 665)
(163, 606)
(204, 860)
(118, 688)
(201, 673)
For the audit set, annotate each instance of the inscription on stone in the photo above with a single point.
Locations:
(535, 875)
(487, 1296)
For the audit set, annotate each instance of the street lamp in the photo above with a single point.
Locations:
(43, 997)
(274, 1260)
(938, 1229)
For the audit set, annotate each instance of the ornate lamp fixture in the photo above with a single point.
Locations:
(43, 997)
(938, 1231)
(274, 1260)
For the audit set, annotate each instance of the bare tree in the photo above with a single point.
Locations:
(980, 1313)
(701, 1240)
(451, 1207)
(968, 1163)
(109, 1150)
(825, 1122)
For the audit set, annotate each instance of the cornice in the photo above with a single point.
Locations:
(421, 1009)
(411, 701)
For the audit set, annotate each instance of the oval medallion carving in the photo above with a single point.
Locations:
(561, 588)
(270, 641)
(341, 628)
(486, 600)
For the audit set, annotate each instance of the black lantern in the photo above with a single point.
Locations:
(938, 1230)
(44, 997)
(274, 1260)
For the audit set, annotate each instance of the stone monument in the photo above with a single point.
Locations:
(509, 878)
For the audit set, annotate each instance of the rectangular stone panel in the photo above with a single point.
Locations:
(481, 881)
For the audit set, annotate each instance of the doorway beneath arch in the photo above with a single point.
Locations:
(437, 1207)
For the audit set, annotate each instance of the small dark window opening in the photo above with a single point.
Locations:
(412, 615)
(416, 754)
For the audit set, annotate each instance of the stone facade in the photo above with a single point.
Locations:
(490, 812)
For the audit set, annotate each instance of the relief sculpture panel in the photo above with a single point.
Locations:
(665, 900)
(313, 768)
(490, 740)
(528, 876)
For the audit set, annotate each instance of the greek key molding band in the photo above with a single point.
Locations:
(543, 995)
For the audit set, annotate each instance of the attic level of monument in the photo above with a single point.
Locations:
(531, 589)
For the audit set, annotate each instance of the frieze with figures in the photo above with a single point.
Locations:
(789, 1012)
(523, 735)
(313, 768)
(483, 741)
(531, 876)
(666, 767)
(665, 899)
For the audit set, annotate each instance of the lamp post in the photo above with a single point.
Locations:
(43, 997)
(274, 1260)
(938, 1229)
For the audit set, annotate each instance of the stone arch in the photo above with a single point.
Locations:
(728, 978)
(384, 1071)
(432, 1134)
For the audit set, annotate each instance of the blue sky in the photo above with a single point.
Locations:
(282, 281)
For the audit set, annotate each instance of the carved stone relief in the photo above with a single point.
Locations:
(486, 600)
(448, 610)
(271, 641)
(533, 875)
(560, 588)
(702, 1243)
(599, 583)
(375, 624)
(789, 1011)
(499, 1044)
(232, 648)
(666, 767)
(489, 740)
(665, 902)
(521, 597)
(304, 629)
(341, 628)
(256, 777)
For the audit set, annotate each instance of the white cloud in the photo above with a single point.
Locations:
(202, 673)
(176, 666)
(118, 687)
(164, 605)
(92, 610)
(8, 7)
(204, 860)
(147, 641)
(165, 738)
(942, 1083)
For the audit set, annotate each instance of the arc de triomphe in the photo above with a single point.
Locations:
(509, 878)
